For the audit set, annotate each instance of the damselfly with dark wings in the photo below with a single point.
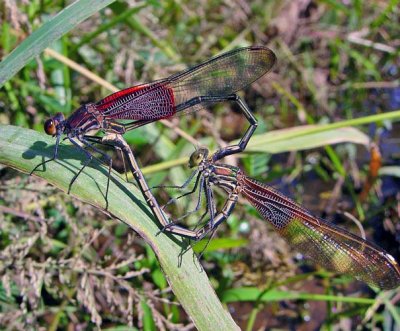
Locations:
(216, 80)
(328, 245)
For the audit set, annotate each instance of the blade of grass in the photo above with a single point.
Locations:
(49, 32)
(23, 149)
(304, 137)
(255, 294)
(218, 243)
(272, 137)
(393, 310)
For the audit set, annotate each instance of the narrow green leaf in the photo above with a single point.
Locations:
(148, 322)
(255, 294)
(299, 131)
(305, 139)
(49, 32)
(219, 243)
(393, 310)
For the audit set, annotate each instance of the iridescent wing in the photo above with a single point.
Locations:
(326, 244)
(218, 77)
(223, 75)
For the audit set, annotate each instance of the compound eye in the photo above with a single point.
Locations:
(196, 158)
(50, 127)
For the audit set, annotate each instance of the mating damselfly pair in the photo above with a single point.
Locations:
(214, 81)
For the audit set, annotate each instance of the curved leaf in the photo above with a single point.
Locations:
(23, 149)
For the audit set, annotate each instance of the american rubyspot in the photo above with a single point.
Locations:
(328, 245)
(216, 80)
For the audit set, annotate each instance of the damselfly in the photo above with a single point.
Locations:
(216, 80)
(328, 245)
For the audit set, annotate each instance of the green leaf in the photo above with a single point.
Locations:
(159, 279)
(255, 294)
(304, 139)
(63, 22)
(148, 322)
(218, 243)
(23, 149)
(275, 137)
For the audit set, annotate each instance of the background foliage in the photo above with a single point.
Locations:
(337, 60)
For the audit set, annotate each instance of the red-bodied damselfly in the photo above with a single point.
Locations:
(216, 80)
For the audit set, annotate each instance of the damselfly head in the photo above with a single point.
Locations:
(197, 157)
(53, 125)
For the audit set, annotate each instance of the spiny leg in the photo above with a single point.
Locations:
(85, 163)
(101, 141)
(213, 231)
(232, 149)
(239, 147)
(201, 219)
(108, 160)
(198, 205)
(210, 202)
(51, 159)
(123, 162)
(117, 140)
(184, 186)
(177, 187)
(172, 224)
(202, 232)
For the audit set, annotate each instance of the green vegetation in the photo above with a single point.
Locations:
(67, 264)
